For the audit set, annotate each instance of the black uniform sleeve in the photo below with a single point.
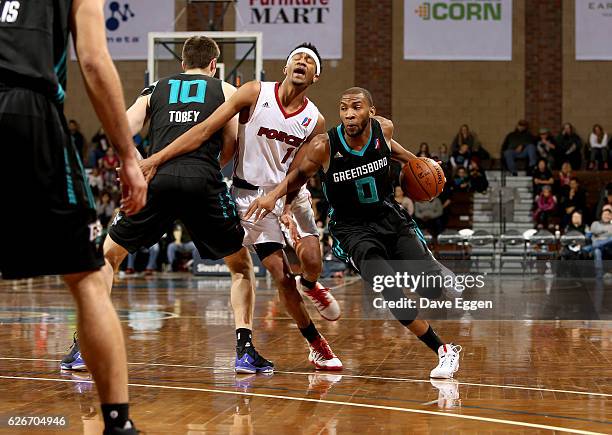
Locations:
(148, 90)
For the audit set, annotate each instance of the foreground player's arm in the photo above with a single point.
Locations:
(301, 153)
(317, 157)
(196, 135)
(105, 92)
(230, 131)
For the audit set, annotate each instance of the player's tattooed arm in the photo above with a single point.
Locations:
(317, 157)
(196, 135)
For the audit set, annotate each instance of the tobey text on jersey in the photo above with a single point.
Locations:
(184, 116)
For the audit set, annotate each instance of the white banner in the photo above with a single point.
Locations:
(128, 22)
(458, 30)
(286, 24)
(593, 30)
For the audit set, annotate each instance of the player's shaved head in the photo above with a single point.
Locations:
(356, 90)
(199, 51)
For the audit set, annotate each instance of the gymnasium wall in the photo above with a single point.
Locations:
(428, 100)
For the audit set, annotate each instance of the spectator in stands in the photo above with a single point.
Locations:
(570, 146)
(424, 150)
(443, 155)
(547, 148)
(461, 182)
(605, 198)
(545, 205)
(99, 144)
(428, 215)
(598, 140)
(478, 178)
(153, 252)
(77, 138)
(576, 223)
(110, 161)
(602, 239)
(465, 135)
(405, 202)
(181, 244)
(573, 198)
(96, 181)
(574, 251)
(519, 144)
(105, 208)
(542, 176)
(565, 175)
(461, 157)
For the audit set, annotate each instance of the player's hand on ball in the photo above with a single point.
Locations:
(148, 168)
(260, 207)
(133, 187)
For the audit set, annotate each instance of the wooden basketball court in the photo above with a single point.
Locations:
(515, 376)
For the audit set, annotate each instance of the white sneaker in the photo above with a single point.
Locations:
(322, 298)
(448, 363)
(322, 356)
(448, 393)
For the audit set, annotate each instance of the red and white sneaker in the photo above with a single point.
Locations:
(322, 356)
(448, 364)
(322, 298)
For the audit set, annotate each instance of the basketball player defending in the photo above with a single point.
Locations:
(275, 119)
(369, 228)
(189, 188)
(42, 178)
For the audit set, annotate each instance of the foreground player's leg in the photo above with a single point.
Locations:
(321, 354)
(103, 347)
(114, 254)
(308, 251)
(242, 298)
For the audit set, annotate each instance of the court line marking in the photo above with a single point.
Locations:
(334, 402)
(382, 378)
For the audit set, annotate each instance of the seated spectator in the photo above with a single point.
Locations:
(153, 252)
(110, 162)
(601, 246)
(545, 205)
(424, 151)
(96, 182)
(570, 146)
(542, 176)
(461, 157)
(605, 197)
(405, 202)
(565, 175)
(576, 223)
(465, 135)
(428, 215)
(181, 244)
(77, 138)
(461, 182)
(478, 178)
(598, 140)
(573, 198)
(547, 148)
(443, 155)
(99, 144)
(519, 144)
(105, 208)
(574, 251)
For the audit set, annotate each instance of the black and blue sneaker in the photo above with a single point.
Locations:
(248, 360)
(74, 360)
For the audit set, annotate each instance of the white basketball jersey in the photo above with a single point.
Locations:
(268, 142)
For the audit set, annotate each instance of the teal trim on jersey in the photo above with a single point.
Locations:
(69, 182)
(336, 246)
(349, 149)
(60, 67)
(231, 202)
(419, 233)
(90, 197)
(60, 95)
(223, 206)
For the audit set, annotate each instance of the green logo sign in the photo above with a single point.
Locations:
(464, 11)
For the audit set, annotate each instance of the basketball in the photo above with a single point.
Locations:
(422, 179)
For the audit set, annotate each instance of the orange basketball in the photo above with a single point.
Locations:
(422, 179)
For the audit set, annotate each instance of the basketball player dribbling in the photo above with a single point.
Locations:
(190, 188)
(369, 228)
(275, 120)
(43, 180)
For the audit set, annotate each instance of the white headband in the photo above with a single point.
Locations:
(310, 53)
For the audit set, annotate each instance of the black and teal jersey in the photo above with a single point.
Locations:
(357, 183)
(33, 40)
(178, 103)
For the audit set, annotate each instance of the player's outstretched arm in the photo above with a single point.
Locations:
(230, 131)
(105, 92)
(317, 157)
(193, 138)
